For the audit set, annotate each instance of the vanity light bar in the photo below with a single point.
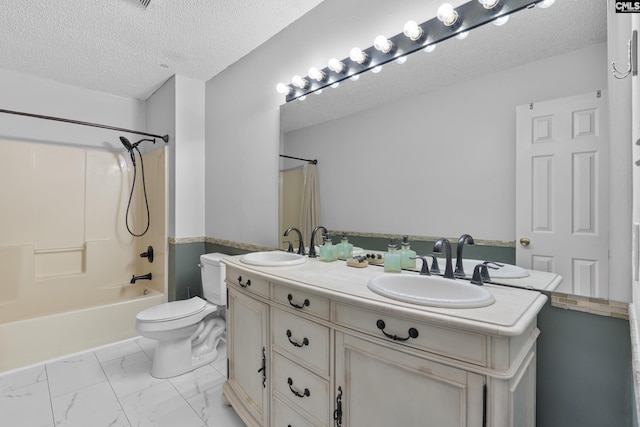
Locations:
(470, 15)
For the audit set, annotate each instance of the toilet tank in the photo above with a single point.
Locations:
(213, 274)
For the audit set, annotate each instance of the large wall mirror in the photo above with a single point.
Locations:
(428, 148)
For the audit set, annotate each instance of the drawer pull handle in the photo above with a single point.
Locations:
(413, 332)
(306, 390)
(304, 304)
(305, 341)
(244, 285)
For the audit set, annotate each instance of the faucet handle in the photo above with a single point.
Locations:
(435, 268)
(481, 273)
(290, 249)
(425, 265)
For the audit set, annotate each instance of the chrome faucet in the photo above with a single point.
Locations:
(143, 277)
(301, 245)
(437, 247)
(465, 238)
(312, 244)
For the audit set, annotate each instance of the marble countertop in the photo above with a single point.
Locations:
(513, 310)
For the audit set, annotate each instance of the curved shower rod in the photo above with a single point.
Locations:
(165, 138)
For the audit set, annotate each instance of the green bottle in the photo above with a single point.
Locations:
(345, 249)
(406, 254)
(328, 252)
(392, 259)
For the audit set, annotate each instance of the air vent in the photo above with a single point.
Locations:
(145, 3)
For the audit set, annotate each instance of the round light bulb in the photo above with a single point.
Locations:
(318, 92)
(430, 48)
(489, 4)
(283, 89)
(447, 14)
(501, 21)
(382, 44)
(401, 60)
(316, 74)
(336, 66)
(462, 35)
(355, 77)
(335, 85)
(376, 69)
(546, 3)
(357, 55)
(298, 81)
(412, 30)
(302, 98)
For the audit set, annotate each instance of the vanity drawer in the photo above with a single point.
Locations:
(301, 339)
(248, 282)
(303, 389)
(303, 301)
(453, 343)
(284, 416)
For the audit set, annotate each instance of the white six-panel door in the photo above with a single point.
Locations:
(561, 191)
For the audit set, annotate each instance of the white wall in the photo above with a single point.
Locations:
(439, 163)
(25, 93)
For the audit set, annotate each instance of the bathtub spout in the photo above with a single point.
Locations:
(143, 277)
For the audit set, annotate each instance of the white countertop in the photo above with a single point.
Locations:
(513, 310)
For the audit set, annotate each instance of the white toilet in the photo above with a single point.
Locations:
(188, 331)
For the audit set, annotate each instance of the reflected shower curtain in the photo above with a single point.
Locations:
(310, 209)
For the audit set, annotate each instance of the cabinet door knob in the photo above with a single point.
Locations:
(524, 241)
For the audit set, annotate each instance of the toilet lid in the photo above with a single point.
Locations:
(172, 310)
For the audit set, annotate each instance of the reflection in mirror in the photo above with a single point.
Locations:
(428, 148)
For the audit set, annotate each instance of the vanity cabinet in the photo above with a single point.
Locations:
(311, 346)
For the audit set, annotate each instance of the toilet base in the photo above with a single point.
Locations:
(177, 357)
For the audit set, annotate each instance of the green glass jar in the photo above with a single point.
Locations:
(392, 259)
(328, 252)
(407, 255)
(345, 249)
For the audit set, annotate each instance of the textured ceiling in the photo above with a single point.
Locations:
(122, 48)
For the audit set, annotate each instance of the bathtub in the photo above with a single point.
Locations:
(107, 315)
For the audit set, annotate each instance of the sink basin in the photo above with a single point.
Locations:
(433, 291)
(507, 271)
(273, 259)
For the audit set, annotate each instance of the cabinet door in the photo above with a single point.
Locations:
(247, 352)
(381, 386)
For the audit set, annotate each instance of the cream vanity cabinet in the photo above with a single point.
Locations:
(334, 354)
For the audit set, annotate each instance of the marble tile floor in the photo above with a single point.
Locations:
(111, 386)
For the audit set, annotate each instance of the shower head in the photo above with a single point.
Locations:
(129, 148)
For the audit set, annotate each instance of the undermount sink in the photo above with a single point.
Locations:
(273, 259)
(505, 271)
(433, 291)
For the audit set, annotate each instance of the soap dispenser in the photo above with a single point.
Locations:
(392, 259)
(328, 252)
(407, 256)
(345, 249)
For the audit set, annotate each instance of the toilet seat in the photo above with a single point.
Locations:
(172, 310)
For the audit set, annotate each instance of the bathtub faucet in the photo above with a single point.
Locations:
(143, 277)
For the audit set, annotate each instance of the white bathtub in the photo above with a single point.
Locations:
(108, 316)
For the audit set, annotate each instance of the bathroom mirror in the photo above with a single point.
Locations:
(391, 145)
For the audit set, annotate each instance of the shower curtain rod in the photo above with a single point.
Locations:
(165, 138)
(313, 162)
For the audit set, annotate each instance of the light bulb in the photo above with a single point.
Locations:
(283, 89)
(357, 55)
(412, 30)
(447, 14)
(382, 44)
(336, 66)
(401, 60)
(376, 69)
(318, 92)
(355, 77)
(462, 35)
(430, 48)
(489, 4)
(299, 82)
(546, 3)
(302, 98)
(335, 85)
(316, 74)
(501, 21)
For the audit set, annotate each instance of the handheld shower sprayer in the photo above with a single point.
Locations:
(130, 147)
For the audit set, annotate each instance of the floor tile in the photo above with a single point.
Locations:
(160, 406)
(130, 374)
(116, 351)
(27, 406)
(197, 381)
(74, 373)
(213, 411)
(147, 345)
(95, 405)
(22, 378)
